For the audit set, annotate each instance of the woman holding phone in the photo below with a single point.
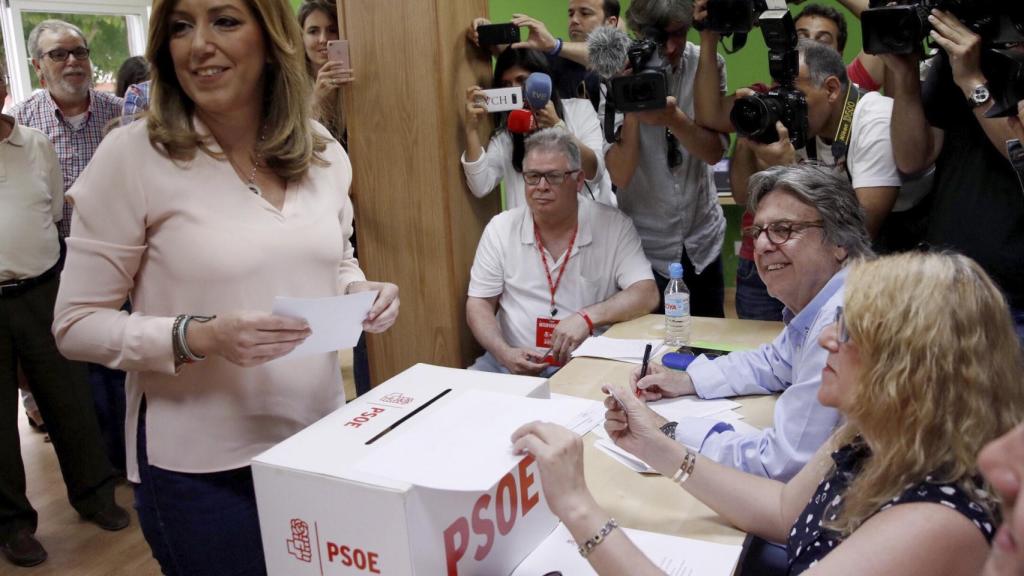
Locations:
(327, 61)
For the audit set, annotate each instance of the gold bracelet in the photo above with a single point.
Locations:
(686, 468)
(587, 547)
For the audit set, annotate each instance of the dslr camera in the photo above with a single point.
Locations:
(901, 28)
(646, 87)
(755, 116)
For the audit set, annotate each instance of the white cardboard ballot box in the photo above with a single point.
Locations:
(320, 515)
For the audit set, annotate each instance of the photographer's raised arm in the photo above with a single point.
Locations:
(742, 165)
(710, 107)
(915, 143)
(699, 141)
(964, 49)
(622, 157)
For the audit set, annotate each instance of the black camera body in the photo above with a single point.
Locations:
(646, 88)
(755, 116)
(901, 28)
(731, 16)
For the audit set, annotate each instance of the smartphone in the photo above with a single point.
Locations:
(337, 51)
(503, 99)
(498, 34)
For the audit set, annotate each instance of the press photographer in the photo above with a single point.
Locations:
(977, 207)
(660, 157)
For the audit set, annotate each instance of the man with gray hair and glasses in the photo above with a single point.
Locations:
(68, 110)
(547, 274)
(807, 227)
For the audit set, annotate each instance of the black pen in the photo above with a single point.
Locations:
(643, 367)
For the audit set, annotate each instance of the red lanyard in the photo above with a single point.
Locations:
(553, 286)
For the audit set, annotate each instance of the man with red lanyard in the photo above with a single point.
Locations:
(548, 274)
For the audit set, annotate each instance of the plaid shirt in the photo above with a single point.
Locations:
(74, 147)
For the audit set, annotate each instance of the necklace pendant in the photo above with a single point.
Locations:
(554, 312)
(255, 190)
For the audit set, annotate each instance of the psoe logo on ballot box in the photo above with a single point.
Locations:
(301, 548)
(397, 398)
(299, 545)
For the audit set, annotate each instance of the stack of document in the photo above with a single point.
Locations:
(621, 349)
(675, 556)
(676, 409)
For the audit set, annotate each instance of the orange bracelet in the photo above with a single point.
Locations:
(586, 318)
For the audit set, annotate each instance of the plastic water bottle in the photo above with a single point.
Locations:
(677, 308)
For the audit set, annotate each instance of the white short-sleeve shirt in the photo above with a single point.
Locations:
(607, 257)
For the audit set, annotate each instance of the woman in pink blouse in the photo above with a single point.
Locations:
(226, 197)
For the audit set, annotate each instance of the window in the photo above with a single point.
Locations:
(115, 29)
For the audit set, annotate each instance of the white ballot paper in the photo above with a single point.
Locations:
(336, 321)
(621, 349)
(674, 555)
(471, 434)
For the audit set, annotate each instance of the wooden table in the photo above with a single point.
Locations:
(651, 502)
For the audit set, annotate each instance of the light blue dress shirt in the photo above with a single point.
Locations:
(791, 364)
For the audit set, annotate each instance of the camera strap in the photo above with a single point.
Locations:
(1016, 152)
(841, 142)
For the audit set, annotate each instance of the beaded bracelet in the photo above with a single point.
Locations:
(686, 468)
(587, 547)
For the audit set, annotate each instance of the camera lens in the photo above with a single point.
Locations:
(755, 117)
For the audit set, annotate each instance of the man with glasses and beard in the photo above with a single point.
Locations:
(69, 111)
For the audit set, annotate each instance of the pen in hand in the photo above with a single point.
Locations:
(643, 369)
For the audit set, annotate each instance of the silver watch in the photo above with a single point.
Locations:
(979, 96)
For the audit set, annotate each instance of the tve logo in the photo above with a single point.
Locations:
(299, 545)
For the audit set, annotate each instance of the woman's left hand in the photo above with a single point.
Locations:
(632, 425)
(385, 307)
(559, 455)
(546, 116)
(332, 75)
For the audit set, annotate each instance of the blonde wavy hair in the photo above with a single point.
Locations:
(941, 378)
(289, 144)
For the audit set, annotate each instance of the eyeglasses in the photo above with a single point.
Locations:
(842, 334)
(675, 155)
(61, 54)
(554, 178)
(779, 232)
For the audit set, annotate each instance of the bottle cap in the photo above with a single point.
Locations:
(675, 270)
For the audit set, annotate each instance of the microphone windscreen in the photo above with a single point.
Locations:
(607, 49)
(520, 121)
(538, 90)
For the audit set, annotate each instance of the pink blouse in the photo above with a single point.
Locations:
(191, 238)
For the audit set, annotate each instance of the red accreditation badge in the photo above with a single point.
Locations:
(545, 327)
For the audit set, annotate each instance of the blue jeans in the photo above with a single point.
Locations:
(752, 299)
(198, 524)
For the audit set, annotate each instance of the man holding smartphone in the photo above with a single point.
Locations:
(567, 58)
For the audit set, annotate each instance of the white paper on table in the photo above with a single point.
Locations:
(676, 556)
(623, 457)
(676, 409)
(621, 349)
(336, 321)
(590, 413)
(470, 434)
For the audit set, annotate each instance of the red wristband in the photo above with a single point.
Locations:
(586, 318)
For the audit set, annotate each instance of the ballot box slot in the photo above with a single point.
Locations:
(401, 420)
